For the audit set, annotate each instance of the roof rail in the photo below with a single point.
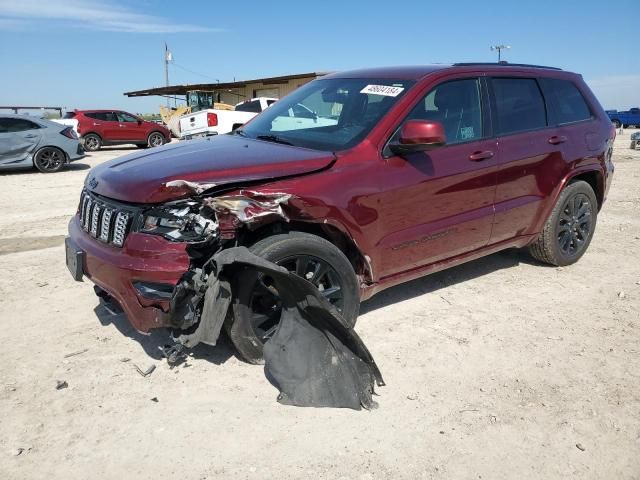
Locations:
(503, 64)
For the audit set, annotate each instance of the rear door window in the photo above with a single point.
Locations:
(519, 105)
(8, 125)
(566, 103)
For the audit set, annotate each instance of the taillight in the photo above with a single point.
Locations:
(69, 133)
(212, 119)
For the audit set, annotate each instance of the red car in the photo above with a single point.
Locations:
(396, 173)
(115, 127)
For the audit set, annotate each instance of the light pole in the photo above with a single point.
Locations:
(499, 48)
(168, 57)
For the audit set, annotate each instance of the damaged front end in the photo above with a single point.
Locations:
(208, 224)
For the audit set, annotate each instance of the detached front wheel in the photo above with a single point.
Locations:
(257, 308)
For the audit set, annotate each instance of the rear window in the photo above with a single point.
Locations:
(69, 115)
(566, 103)
(519, 105)
(253, 106)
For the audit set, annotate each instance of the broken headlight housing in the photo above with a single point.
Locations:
(179, 222)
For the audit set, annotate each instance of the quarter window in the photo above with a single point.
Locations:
(457, 106)
(519, 105)
(566, 103)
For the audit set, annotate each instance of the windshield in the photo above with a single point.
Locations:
(331, 114)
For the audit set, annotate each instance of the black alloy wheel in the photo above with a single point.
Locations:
(575, 225)
(49, 160)
(265, 302)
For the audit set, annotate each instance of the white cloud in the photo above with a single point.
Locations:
(88, 14)
(619, 92)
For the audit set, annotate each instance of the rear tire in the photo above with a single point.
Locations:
(570, 227)
(251, 303)
(633, 145)
(49, 159)
(92, 142)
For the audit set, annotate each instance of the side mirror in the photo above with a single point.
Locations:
(419, 136)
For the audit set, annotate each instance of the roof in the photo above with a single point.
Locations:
(416, 72)
(183, 89)
(409, 72)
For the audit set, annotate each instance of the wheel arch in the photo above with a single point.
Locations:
(336, 234)
(40, 148)
(594, 178)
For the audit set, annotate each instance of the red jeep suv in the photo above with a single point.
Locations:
(399, 173)
(114, 127)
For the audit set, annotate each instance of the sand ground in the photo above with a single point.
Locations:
(497, 369)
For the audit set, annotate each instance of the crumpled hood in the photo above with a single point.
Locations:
(142, 177)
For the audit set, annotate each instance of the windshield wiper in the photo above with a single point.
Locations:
(240, 132)
(274, 139)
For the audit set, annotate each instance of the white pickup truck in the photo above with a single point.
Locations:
(213, 121)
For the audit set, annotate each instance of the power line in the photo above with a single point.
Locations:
(195, 73)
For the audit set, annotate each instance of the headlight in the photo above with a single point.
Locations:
(180, 222)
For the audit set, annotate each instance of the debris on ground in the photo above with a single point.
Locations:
(125, 359)
(60, 384)
(79, 352)
(20, 450)
(580, 447)
(174, 354)
(154, 399)
(621, 294)
(147, 372)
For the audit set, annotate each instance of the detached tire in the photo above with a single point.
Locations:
(570, 227)
(256, 308)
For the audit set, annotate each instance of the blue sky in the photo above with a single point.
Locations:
(86, 53)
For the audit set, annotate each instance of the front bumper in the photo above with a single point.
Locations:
(143, 260)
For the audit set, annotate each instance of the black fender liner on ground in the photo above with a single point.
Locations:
(315, 358)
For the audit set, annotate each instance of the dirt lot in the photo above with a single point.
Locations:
(500, 368)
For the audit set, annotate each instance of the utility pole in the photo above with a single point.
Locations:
(499, 48)
(168, 57)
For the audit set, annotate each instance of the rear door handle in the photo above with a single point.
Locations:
(481, 155)
(557, 139)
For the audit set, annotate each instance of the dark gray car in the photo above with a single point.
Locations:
(27, 142)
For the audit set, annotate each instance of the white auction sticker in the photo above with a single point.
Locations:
(386, 90)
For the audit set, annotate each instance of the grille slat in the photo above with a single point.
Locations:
(106, 221)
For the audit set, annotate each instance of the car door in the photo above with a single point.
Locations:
(110, 126)
(130, 128)
(531, 156)
(19, 138)
(439, 203)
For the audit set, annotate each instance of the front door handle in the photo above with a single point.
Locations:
(557, 139)
(481, 155)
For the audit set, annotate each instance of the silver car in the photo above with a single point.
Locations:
(27, 142)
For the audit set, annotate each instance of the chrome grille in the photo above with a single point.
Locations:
(107, 221)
